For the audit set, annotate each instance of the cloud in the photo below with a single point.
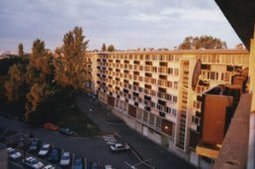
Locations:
(126, 23)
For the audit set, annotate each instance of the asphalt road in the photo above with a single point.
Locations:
(158, 156)
(94, 148)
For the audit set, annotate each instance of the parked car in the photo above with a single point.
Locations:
(95, 165)
(66, 131)
(50, 126)
(44, 150)
(2, 146)
(110, 139)
(49, 167)
(65, 159)
(13, 154)
(34, 146)
(108, 166)
(54, 155)
(33, 163)
(78, 163)
(119, 147)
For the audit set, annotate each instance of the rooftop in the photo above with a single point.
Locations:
(207, 51)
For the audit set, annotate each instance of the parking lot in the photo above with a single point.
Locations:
(145, 153)
(92, 150)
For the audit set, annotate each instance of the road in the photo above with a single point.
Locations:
(94, 148)
(159, 156)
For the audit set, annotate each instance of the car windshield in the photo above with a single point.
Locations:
(34, 161)
(54, 151)
(65, 157)
(78, 161)
(44, 148)
(13, 151)
(34, 144)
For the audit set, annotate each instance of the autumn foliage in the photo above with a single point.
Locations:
(42, 83)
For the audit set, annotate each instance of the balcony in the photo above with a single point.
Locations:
(234, 150)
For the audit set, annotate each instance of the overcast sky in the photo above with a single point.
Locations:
(124, 23)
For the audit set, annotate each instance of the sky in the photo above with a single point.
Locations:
(127, 24)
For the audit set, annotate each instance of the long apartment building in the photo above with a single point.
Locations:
(159, 93)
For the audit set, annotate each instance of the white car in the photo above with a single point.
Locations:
(13, 154)
(108, 166)
(65, 159)
(44, 150)
(119, 147)
(33, 163)
(49, 167)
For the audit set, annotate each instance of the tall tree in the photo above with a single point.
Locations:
(40, 69)
(103, 47)
(110, 48)
(69, 66)
(37, 95)
(21, 51)
(202, 42)
(14, 86)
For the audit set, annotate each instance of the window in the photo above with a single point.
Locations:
(169, 84)
(174, 98)
(170, 71)
(169, 97)
(174, 112)
(145, 116)
(176, 72)
(212, 76)
(139, 114)
(169, 110)
(222, 76)
(176, 85)
(158, 122)
(152, 119)
(227, 77)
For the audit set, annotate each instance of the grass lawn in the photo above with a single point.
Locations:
(73, 118)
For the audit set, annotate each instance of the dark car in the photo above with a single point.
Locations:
(54, 156)
(78, 163)
(95, 165)
(66, 131)
(2, 146)
(34, 146)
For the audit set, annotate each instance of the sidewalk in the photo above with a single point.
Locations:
(108, 123)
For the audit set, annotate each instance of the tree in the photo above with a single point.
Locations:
(239, 46)
(21, 52)
(110, 48)
(202, 42)
(40, 69)
(37, 95)
(69, 67)
(103, 47)
(14, 86)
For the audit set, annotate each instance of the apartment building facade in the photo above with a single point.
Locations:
(159, 93)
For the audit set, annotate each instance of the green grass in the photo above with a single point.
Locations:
(73, 118)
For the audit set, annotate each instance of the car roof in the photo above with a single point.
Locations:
(46, 145)
(30, 158)
(118, 144)
(10, 149)
(66, 153)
